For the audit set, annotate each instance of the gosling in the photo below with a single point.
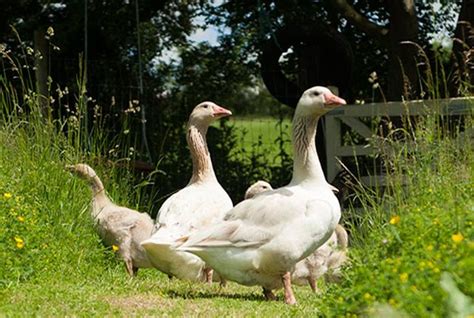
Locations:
(117, 225)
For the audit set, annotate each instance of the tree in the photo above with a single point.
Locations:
(376, 31)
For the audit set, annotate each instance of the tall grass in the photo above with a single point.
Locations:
(402, 239)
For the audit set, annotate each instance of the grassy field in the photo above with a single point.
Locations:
(263, 133)
(403, 244)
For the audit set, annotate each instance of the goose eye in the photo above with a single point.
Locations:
(206, 106)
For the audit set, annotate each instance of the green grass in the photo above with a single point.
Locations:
(264, 133)
(402, 241)
(63, 269)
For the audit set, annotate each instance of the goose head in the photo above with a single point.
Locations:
(317, 101)
(256, 188)
(207, 112)
(82, 170)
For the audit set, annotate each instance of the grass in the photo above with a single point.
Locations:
(404, 242)
(265, 133)
(401, 243)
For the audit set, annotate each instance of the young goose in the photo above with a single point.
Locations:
(326, 261)
(201, 203)
(117, 225)
(260, 240)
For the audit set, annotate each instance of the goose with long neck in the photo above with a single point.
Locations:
(260, 240)
(201, 203)
(117, 225)
(326, 261)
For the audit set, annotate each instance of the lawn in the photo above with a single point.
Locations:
(264, 133)
(403, 244)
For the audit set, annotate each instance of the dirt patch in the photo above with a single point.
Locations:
(138, 302)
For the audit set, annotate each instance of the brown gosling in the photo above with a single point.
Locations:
(116, 225)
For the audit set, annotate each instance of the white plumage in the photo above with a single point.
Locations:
(260, 240)
(201, 203)
(325, 261)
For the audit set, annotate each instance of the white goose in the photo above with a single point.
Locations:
(326, 261)
(201, 203)
(260, 240)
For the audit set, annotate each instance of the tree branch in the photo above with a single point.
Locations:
(358, 20)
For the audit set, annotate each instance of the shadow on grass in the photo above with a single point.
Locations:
(211, 295)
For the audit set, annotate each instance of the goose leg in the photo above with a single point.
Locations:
(289, 296)
(135, 271)
(208, 272)
(312, 284)
(129, 267)
(223, 282)
(269, 295)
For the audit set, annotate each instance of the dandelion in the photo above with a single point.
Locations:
(457, 238)
(7, 195)
(392, 302)
(19, 242)
(436, 270)
(403, 277)
(429, 248)
(394, 220)
(115, 248)
(367, 296)
(20, 218)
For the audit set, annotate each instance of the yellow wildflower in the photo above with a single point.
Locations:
(19, 242)
(457, 238)
(422, 264)
(367, 296)
(392, 302)
(395, 220)
(403, 277)
(429, 248)
(115, 248)
(21, 218)
(436, 270)
(7, 195)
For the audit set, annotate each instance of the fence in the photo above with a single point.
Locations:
(351, 115)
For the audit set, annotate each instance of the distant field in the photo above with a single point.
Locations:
(252, 130)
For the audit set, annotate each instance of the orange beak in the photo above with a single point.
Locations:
(332, 100)
(221, 112)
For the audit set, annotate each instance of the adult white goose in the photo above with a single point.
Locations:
(326, 260)
(201, 203)
(260, 240)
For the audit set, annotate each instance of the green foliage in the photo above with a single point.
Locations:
(53, 263)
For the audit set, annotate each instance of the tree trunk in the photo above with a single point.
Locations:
(403, 75)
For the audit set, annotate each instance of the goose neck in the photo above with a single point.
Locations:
(100, 199)
(202, 164)
(306, 167)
